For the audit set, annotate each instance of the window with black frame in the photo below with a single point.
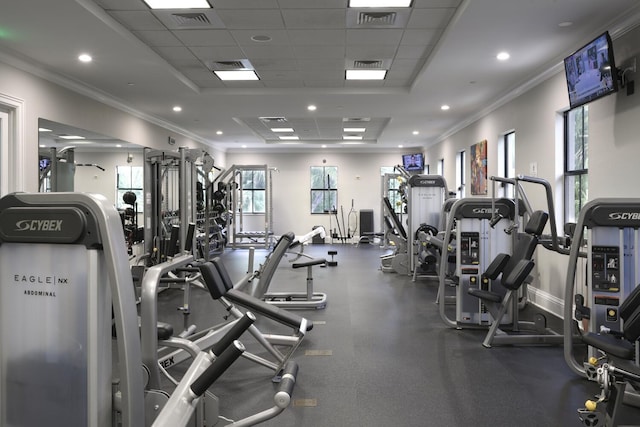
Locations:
(576, 164)
(324, 189)
(254, 191)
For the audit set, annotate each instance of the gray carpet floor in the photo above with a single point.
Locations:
(379, 355)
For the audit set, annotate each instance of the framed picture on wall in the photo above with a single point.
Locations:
(479, 168)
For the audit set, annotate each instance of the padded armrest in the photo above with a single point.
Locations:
(260, 307)
(485, 295)
(518, 275)
(611, 345)
(497, 266)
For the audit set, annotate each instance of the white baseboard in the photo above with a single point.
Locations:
(546, 301)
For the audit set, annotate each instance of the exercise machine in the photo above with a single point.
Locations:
(477, 226)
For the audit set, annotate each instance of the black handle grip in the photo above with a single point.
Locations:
(233, 333)
(289, 374)
(217, 368)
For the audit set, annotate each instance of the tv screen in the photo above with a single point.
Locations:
(413, 162)
(591, 72)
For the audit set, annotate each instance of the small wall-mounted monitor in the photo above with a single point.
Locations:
(591, 71)
(413, 162)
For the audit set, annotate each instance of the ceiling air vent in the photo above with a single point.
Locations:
(367, 64)
(230, 65)
(273, 119)
(190, 19)
(376, 18)
(356, 119)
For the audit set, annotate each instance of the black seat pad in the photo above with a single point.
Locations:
(610, 345)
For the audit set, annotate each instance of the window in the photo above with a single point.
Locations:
(576, 164)
(324, 189)
(461, 161)
(130, 178)
(4, 153)
(254, 191)
(440, 167)
(507, 161)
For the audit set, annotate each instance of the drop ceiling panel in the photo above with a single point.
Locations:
(421, 37)
(413, 51)
(244, 4)
(122, 5)
(315, 19)
(158, 38)
(375, 37)
(318, 37)
(272, 64)
(283, 83)
(312, 4)
(205, 37)
(321, 64)
(403, 68)
(263, 52)
(251, 19)
(218, 53)
(420, 4)
(319, 52)
(371, 52)
(274, 74)
(138, 20)
(430, 18)
(243, 37)
(175, 53)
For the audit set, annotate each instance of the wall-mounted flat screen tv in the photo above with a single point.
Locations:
(591, 71)
(413, 162)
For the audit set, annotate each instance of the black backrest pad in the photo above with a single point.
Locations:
(212, 279)
(394, 217)
(524, 249)
(630, 304)
(631, 329)
(224, 274)
(537, 222)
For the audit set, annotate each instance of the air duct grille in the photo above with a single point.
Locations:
(367, 64)
(376, 18)
(273, 119)
(190, 19)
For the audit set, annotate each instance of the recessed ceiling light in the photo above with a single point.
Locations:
(178, 4)
(219, 132)
(42, 146)
(177, 108)
(244, 146)
(282, 130)
(118, 145)
(379, 3)
(352, 137)
(565, 24)
(444, 107)
(324, 146)
(415, 132)
(503, 56)
(400, 146)
(366, 74)
(312, 107)
(44, 130)
(85, 58)
(71, 137)
(237, 75)
(289, 138)
(354, 129)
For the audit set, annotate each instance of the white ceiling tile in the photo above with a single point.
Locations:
(420, 4)
(121, 5)
(243, 37)
(391, 36)
(205, 37)
(322, 74)
(219, 53)
(244, 4)
(313, 4)
(173, 53)
(318, 18)
(274, 65)
(280, 52)
(413, 51)
(284, 83)
(404, 68)
(158, 38)
(251, 19)
(318, 37)
(198, 73)
(371, 52)
(430, 18)
(311, 52)
(321, 64)
(138, 20)
(267, 74)
(420, 37)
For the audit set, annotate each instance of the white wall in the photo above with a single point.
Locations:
(358, 179)
(43, 99)
(614, 152)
